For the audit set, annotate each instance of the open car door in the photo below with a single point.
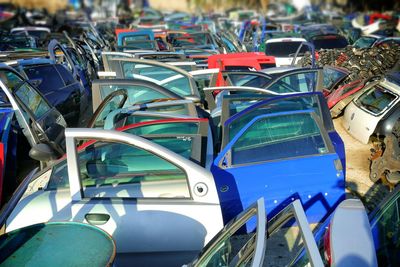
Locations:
(160, 208)
(138, 91)
(189, 137)
(60, 55)
(177, 108)
(290, 81)
(137, 68)
(280, 156)
(228, 248)
(113, 101)
(240, 113)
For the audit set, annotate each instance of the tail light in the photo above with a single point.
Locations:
(327, 246)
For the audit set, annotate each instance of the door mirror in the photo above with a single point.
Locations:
(42, 152)
(194, 98)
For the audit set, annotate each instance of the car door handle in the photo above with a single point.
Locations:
(97, 218)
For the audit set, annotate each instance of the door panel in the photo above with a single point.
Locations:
(281, 157)
(160, 203)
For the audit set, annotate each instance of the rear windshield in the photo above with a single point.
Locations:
(376, 100)
(330, 42)
(284, 49)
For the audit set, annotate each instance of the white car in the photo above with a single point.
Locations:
(283, 49)
(364, 114)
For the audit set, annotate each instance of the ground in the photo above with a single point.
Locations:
(357, 169)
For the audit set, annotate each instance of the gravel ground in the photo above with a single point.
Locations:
(357, 170)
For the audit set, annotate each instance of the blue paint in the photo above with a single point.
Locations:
(312, 179)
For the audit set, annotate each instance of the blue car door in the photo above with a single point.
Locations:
(301, 101)
(281, 157)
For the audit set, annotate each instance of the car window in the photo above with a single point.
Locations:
(289, 104)
(278, 137)
(116, 170)
(376, 100)
(297, 82)
(48, 75)
(65, 74)
(10, 79)
(166, 128)
(284, 48)
(180, 86)
(331, 77)
(231, 48)
(32, 100)
(136, 93)
(251, 80)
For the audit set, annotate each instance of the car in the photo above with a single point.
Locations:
(283, 49)
(59, 87)
(374, 111)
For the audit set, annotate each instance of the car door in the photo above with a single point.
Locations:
(231, 248)
(298, 81)
(138, 91)
(314, 101)
(60, 55)
(113, 101)
(135, 68)
(189, 137)
(40, 122)
(280, 156)
(175, 108)
(151, 200)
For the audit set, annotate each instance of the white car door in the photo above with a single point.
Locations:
(160, 208)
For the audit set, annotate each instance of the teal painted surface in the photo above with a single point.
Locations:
(57, 244)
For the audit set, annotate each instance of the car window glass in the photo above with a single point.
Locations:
(181, 86)
(290, 104)
(297, 82)
(136, 93)
(10, 79)
(250, 80)
(229, 249)
(278, 137)
(376, 100)
(49, 77)
(65, 74)
(121, 170)
(331, 77)
(32, 100)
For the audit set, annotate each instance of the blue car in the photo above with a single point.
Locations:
(59, 87)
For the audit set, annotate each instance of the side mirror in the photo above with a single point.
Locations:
(35, 82)
(42, 152)
(194, 98)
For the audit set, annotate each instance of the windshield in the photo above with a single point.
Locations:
(376, 100)
(284, 49)
(330, 42)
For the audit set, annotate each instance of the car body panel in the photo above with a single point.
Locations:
(191, 221)
(313, 101)
(278, 178)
